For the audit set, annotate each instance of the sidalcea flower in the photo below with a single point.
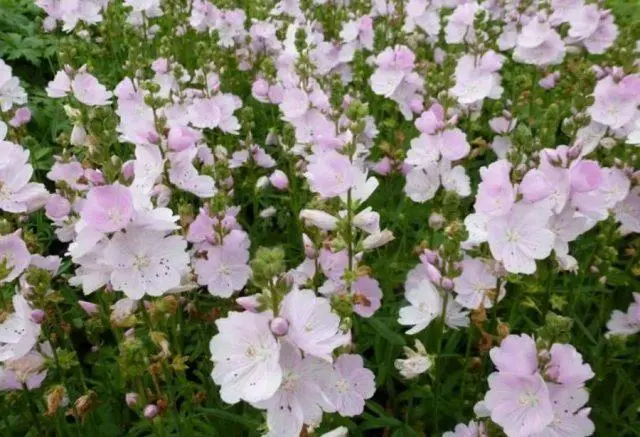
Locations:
(313, 326)
(299, 399)
(225, 268)
(108, 208)
(519, 403)
(473, 429)
(246, 358)
(14, 256)
(569, 416)
(11, 93)
(416, 363)
(566, 366)
(625, 323)
(18, 333)
(539, 44)
(496, 195)
(145, 261)
(517, 355)
(615, 102)
(366, 296)
(350, 385)
(28, 371)
(477, 286)
(426, 304)
(89, 91)
(477, 78)
(17, 194)
(521, 237)
(330, 174)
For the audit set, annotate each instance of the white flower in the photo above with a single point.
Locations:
(246, 358)
(144, 261)
(378, 239)
(426, 305)
(18, 333)
(416, 363)
(319, 219)
(11, 93)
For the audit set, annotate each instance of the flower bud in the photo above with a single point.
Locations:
(279, 180)
(436, 221)
(249, 303)
(88, 307)
(78, 135)
(22, 116)
(132, 399)
(37, 315)
(150, 411)
(376, 240)
(279, 326)
(261, 183)
(447, 283)
(320, 219)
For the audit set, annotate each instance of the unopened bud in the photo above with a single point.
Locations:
(279, 326)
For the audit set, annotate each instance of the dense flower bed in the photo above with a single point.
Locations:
(295, 218)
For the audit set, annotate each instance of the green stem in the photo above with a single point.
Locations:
(33, 408)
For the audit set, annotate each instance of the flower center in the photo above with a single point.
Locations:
(141, 261)
(513, 236)
(342, 386)
(528, 399)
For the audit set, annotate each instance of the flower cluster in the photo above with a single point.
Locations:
(260, 177)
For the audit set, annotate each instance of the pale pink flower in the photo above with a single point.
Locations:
(60, 86)
(350, 385)
(473, 429)
(477, 78)
(592, 28)
(496, 195)
(89, 91)
(295, 103)
(615, 102)
(517, 355)
(625, 323)
(566, 366)
(145, 261)
(18, 333)
(299, 399)
(225, 268)
(520, 404)
(246, 358)
(14, 255)
(460, 25)
(627, 212)
(367, 296)
(28, 371)
(330, 174)
(313, 326)
(68, 172)
(570, 419)
(539, 44)
(108, 208)
(520, 238)
(477, 285)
